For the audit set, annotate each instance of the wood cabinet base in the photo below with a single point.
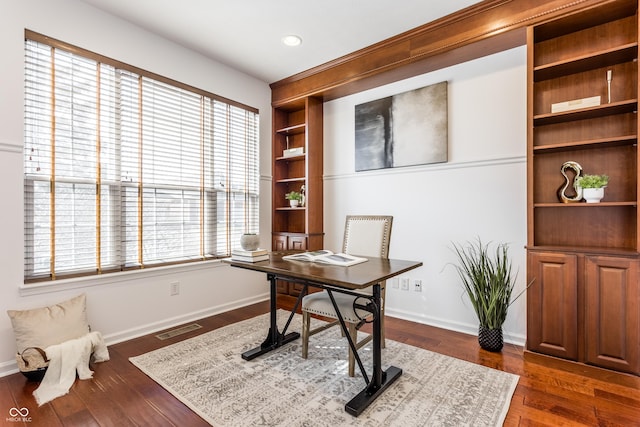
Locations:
(585, 308)
(578, 368)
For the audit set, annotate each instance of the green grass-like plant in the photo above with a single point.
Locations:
(487, 280)
(593, 181)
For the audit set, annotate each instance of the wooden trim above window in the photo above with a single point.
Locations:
(485, 28)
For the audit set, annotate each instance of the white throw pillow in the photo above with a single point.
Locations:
(46, 326)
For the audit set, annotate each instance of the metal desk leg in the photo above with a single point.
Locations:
(380, 379)
(274, 338)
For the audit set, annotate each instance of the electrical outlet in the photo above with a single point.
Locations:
(404, 283)
(417, 285)
(174, 288)
(395, 283)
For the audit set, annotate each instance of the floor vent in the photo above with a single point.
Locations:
(178, 331)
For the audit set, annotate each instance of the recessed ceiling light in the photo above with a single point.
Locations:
(292, 40)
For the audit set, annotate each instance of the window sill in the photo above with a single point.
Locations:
(111, 278)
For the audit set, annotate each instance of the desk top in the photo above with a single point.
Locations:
(357, 276)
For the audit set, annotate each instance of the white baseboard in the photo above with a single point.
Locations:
(8, 368)
(465, 328)
(11, 367)
(150, 328)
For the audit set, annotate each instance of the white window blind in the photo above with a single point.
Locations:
(123, 169)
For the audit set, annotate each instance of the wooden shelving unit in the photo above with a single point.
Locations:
(297, 124)
(583, 258)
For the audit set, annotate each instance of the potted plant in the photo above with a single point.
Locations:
(488, 282)
(294, 198)
(593, 187)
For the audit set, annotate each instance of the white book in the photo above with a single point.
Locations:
(575, 104)
(325, 256)
(235, 257)
(242, 252)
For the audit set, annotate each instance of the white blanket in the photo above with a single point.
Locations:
(65, 360)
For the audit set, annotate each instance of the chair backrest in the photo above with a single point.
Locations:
(367, 235)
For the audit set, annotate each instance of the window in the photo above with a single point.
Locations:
(126, 169)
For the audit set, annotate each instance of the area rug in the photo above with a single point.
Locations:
(280, 388)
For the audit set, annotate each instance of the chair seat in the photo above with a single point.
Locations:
(319, 303)
(364, 235)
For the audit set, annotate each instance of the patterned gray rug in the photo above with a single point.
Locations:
(280, 388)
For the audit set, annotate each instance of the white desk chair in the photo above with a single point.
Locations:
(366, 235)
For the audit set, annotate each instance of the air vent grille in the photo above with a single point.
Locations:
(178, 331)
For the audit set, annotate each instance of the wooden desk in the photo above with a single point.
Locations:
(334, 279)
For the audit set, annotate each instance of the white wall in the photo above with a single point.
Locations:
(124, 305)
(479, 192)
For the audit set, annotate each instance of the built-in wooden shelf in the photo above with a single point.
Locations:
(289, 180)
(628, 106)
(287, 208)
(591, 143)
(292, 130)
(299, 157)
(297, 125)
(579, 64)
(583, 259)
(586, 250)
(585, 205)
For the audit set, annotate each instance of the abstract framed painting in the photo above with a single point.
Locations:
(407, 129)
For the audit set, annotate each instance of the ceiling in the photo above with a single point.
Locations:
(246, 34)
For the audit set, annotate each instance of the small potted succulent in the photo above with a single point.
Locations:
(294, 198)
(592, 187)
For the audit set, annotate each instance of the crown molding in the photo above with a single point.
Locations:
(488, 27)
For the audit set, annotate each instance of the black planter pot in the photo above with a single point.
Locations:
(490, 339)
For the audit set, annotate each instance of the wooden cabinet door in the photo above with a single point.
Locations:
(279, 242)
(612, 313)
(286, 242)
(297, 243)
(552, 298)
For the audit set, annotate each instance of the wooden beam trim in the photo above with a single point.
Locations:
(292, 88)
(395, 40)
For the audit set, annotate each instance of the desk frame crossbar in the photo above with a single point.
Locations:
(380, 379)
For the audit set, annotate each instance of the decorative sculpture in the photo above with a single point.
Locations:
(577, 170)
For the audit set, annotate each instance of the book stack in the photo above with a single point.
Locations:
(250, 256)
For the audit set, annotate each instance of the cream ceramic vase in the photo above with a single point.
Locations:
(249, 242)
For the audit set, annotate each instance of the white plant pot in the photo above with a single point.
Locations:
(593, 195)
(294, 203)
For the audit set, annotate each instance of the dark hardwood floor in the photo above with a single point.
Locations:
(553, 394)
